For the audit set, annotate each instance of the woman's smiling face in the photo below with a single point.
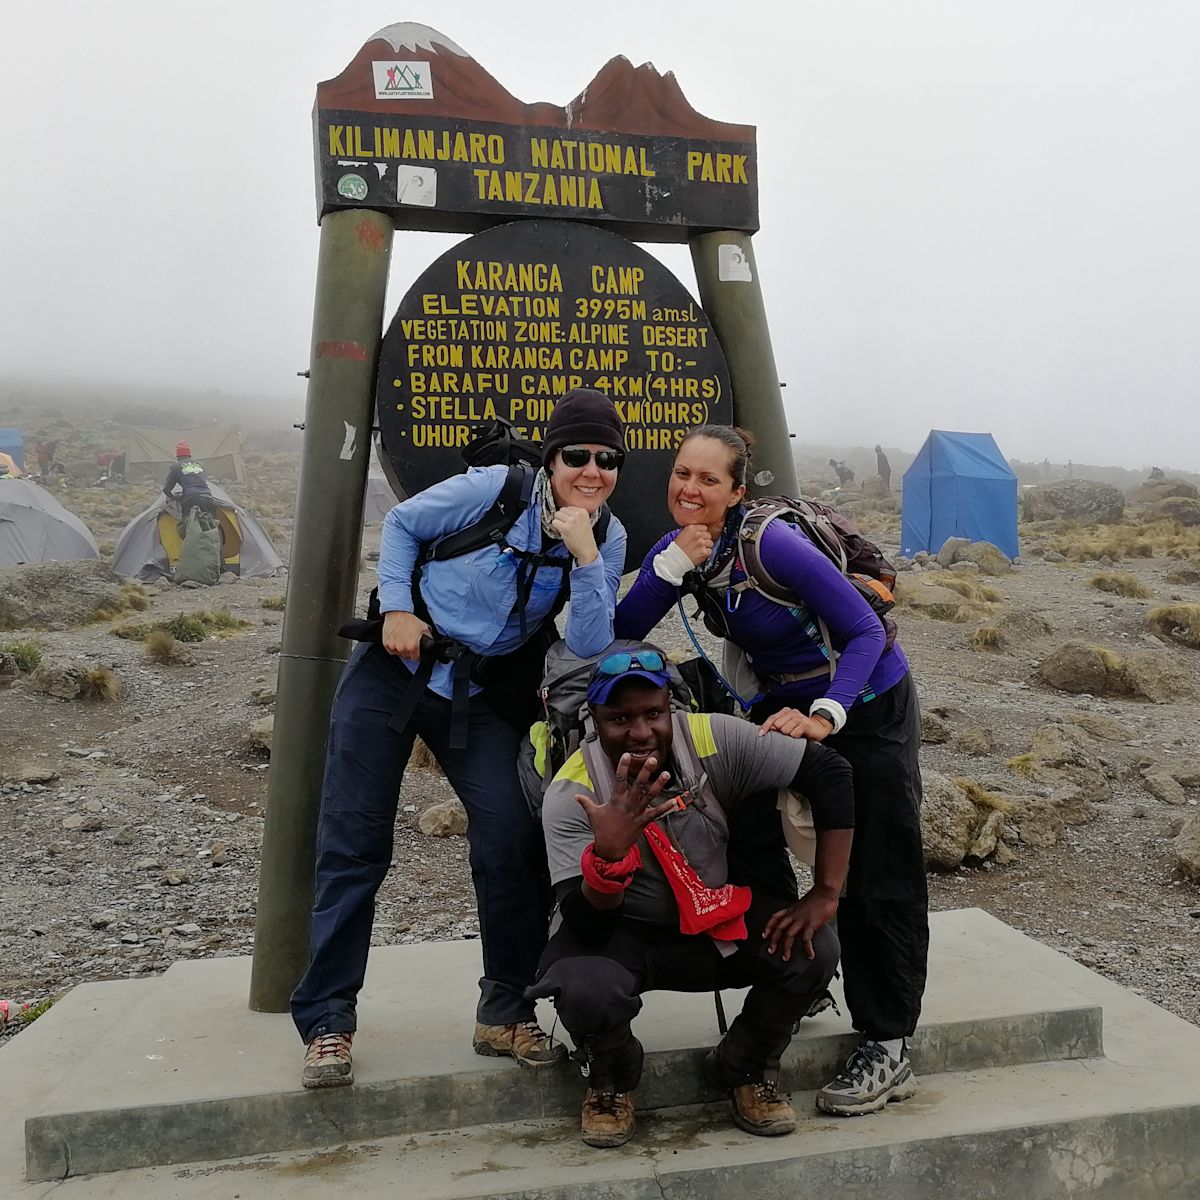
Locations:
(586, 487)
(701, 491)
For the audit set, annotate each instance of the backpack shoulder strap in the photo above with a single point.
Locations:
(515, 495)
(754, 524)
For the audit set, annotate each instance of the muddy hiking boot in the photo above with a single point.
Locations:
(608, 1118)
(758, 1107)
(327, 1061)
(871, 1079)
(524, 1040)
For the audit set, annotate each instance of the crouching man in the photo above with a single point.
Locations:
(636, 832)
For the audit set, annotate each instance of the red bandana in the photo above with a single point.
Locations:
(719, 912)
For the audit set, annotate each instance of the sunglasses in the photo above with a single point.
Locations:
(618, 664)
(580, 456)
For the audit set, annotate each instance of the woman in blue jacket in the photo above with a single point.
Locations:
(491, 601)
(857, 696)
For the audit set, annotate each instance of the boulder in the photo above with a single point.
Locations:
(947, 555)
(977, 740)
(988, 838)
(1186, 849)
(24, 771)
(949, 821)
(57, 595)
(63, 681)
(1155, 675)
(1076, 668)
(1108, 729)
(1084, 500)
(1183, 509)
(1053, 556)
(934, 731)
(10, 669)
(1164, 787)
(990, 560)
(448, 819)
(1038, 822)
(261, 732)
(1154, 490)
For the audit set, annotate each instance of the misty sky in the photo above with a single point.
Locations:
(976, 214)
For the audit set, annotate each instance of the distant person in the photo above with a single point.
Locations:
(189, 476)
(844, 473)
(884, 469)
(1157, 473)
(638, 859)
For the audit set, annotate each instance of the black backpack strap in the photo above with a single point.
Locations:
(515, 495)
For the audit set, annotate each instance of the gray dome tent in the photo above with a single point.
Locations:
(149, 544)
(34, 527)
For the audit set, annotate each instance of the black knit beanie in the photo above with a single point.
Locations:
(582, 417)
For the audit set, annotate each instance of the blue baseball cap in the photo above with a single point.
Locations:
(627, 664)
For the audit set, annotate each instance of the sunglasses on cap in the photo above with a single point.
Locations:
(618, 664)
(580, 456)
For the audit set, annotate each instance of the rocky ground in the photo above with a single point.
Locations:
(130, 828)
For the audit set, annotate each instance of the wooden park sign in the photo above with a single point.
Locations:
(416, 128)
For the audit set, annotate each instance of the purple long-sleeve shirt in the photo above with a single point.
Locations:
(774, 637)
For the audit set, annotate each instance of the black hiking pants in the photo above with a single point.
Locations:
(883, 920)
(597, 992)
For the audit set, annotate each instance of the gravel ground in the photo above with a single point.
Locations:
(142, 847)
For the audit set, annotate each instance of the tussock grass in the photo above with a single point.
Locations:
(132, 599)
(1023, 765)
(274, 603)
(1144, 537)
(1179, 622)
(978, 794)
(186, 627)
(1120, 583)
(99, 683)
(27, 652)
(165, 650)
(986, 639)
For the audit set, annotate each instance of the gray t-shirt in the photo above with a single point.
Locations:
(739, 762)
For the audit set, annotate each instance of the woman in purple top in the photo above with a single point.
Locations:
(866, 708)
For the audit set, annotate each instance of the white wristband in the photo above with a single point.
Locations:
(672, 564)
(831, 709)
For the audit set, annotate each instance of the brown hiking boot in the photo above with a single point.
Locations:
(759, 1109)
(327, 1061)
(607, 1118)
(524, 1041)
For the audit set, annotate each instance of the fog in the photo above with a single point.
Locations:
(974, 215)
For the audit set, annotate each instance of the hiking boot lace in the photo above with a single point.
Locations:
(607, 1102)
(536, 1032)
(767, 1092)
(861, 1063)
(329, 1045)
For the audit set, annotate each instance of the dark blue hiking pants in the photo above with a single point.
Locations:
(363, 770)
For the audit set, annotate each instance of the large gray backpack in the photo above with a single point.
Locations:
(554, 738)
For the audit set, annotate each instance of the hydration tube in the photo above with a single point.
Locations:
(743, 704)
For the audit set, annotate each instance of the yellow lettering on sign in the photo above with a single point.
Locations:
(336, 148)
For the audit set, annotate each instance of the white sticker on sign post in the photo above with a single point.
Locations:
(732, 264)
(416, 185)
(403, 80)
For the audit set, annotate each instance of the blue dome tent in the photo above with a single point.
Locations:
(959, 485)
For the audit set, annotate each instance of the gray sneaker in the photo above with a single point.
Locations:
(327, 1061)
(870, 1079)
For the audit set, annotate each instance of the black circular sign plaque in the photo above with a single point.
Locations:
(508, 321)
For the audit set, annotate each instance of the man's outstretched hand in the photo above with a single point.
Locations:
(618, 824)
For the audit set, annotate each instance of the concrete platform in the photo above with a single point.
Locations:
(1015, 1092)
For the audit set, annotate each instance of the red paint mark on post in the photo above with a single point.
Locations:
(341, 350)
(370, 236)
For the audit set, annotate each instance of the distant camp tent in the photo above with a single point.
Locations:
(380, 500)
(959, 485)
(12, 444)
(34, 527)
(149, 544)
(150, 453)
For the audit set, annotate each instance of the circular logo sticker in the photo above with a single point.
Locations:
(353, 187)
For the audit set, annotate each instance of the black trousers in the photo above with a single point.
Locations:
(883, 920)
(597, 992)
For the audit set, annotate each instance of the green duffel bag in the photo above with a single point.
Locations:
(200, 552)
